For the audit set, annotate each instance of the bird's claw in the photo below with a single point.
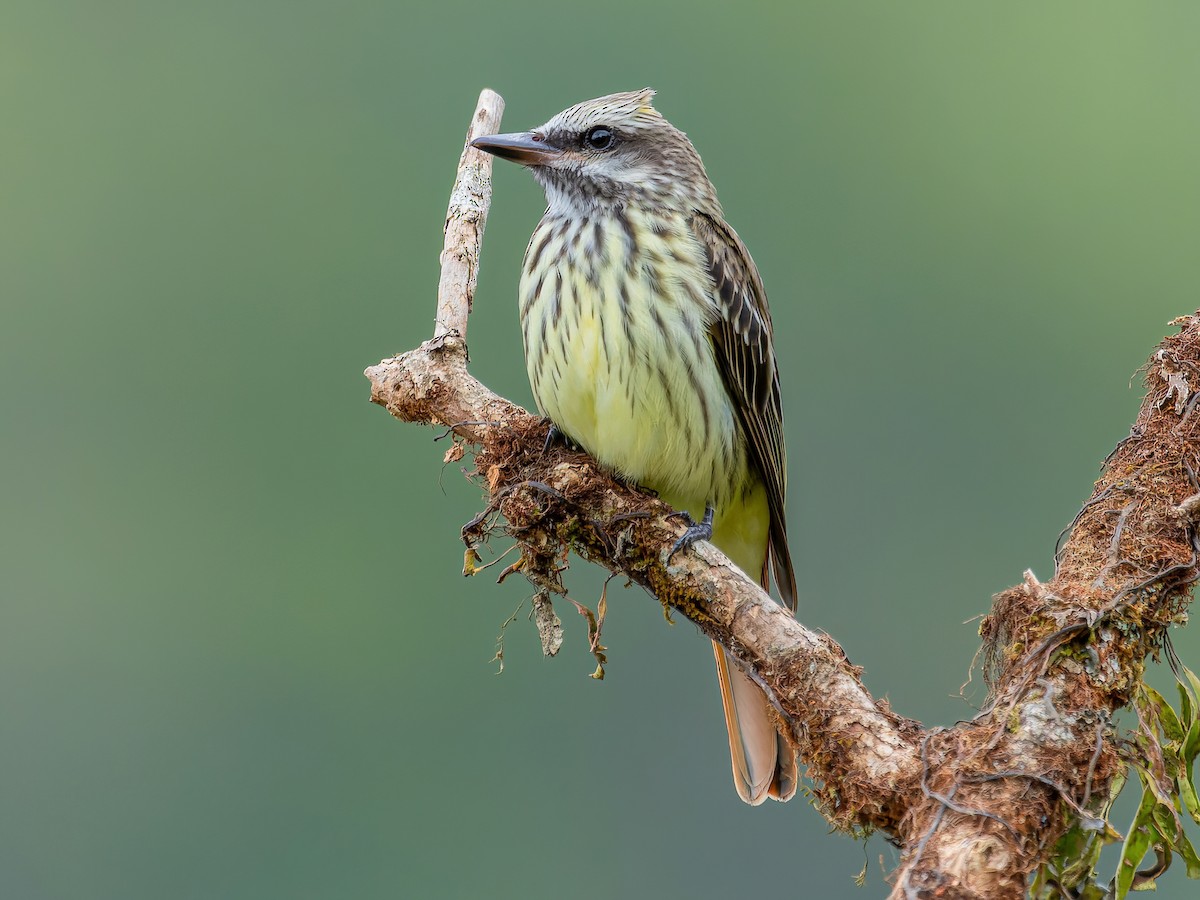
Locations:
(696, 531)
(557, 436)
(552, 436)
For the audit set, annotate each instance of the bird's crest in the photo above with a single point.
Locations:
(631, 107)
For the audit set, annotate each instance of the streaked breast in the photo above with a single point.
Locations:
(615, 313)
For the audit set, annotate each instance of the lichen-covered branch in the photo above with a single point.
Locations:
(975, 808)
(1065, 655)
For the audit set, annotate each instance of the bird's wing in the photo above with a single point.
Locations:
(742, 340)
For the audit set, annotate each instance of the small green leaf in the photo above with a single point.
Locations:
(1187, 705)
(1184, 848)
(1151, 786)
(1137, 845)
(1166, 822)
(1079, 849)
(1186, 780)
(1118, 785)
(1168, 721)
(1192, 681)
(1191, 744)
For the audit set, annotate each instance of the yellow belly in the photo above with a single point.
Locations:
(620, 360)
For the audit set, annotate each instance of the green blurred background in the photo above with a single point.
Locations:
(237, 658)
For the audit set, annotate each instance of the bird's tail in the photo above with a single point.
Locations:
(764, 764)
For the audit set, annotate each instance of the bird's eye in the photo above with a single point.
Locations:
(600, 138)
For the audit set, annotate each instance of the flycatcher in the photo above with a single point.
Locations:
(649, 343)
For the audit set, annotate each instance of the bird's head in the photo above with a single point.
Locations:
(609, 152)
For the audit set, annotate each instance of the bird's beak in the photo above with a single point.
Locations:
(527, 148)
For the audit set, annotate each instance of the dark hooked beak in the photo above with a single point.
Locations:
(527, 148)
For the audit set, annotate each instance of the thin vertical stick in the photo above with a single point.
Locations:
(465, 219)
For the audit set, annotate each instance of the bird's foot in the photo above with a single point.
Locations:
(696, 531)
(555, 436)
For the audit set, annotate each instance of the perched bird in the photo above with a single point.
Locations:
(649, 343)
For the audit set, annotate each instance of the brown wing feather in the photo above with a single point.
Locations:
(742, 339)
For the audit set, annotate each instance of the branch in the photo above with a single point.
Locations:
(976, 807)
(465, 219)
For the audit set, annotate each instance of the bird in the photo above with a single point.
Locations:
(649, 344)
